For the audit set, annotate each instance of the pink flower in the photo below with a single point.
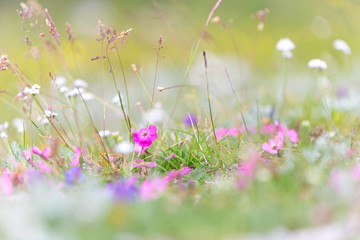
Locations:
(274, 144)
(6, 184)
(75, 161)
(44, 167)
(143, 165)
(145, 136)
(45, 153)
(291, 133)
(225, 132)
(178, 173)
(150, 190)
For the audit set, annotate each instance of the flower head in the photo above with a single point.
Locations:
(190, 120)
(285, 46)
(274, 144)
(342, 46)
(4, 62)
(317, 64)
(145, 136)
(74, 175)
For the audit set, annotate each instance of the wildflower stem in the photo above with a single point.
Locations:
(156, 69)
(118, 91)
(126, 90)
(208, 97)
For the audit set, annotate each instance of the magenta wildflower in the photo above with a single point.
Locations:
(225, 132)
(75, 161)
(145, 136)
(274, 144)
(45, 153)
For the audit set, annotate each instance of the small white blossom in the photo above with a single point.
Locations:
(74, 92)
(106, 133)
(124, 147)
(318, 64)
(18, 123)
(60, 81)
(285, 46)
(342, 46)
(49, 114)
(87, 96)
(44, 121)
(116, 99)
(80, 83)
(155, 115)
(63, 89)
(3, 128)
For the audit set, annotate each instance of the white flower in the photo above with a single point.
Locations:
(80, 83)
(3, 128)
(49, 114)
(35, 89)
(155, 115)
(44, 121)
(285, 46)
(18, 123)
(63, 89)
(60, 81)
(342, 46)
(87, 96)
(124, 147)
(74, 92)
(106, 133)
(116, 99)
(318, 64)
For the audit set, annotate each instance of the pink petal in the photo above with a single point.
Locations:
(36, 150)
(27, 155)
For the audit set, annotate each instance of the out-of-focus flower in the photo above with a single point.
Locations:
(106, 133)
(150, 190)
(45, 153)
(6, 184)
(285, 46)
(274, 144)
(155, 115)
(75, 161)
(342, 46)
(60, 81)
(50, 114)
(3, 128)
(190, 120)
(4, 62)
(261, 15)
(123, 190)
(34, 90)
(317, 64)
(145, 136)
(178, 173)
(143, 165)
(124, 147)
(226, 132)
(79, 83)
(74, 175)
(18, 123)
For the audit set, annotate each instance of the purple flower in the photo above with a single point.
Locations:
(190, 120)
(123, 190)
(145, 136)
(74, 175)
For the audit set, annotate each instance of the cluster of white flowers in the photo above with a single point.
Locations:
(285, 46)
(78, 88)
(4, 62)
(106, 133)
(49, 114)
(3, 128)
(34, 90)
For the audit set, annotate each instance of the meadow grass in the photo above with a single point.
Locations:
(210, 157)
